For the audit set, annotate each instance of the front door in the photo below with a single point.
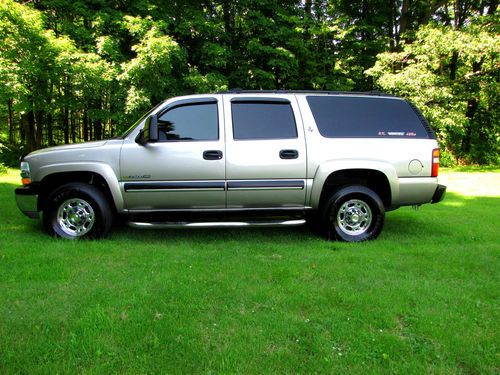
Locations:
(185, 169)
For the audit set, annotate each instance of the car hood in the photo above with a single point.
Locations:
(75, 146)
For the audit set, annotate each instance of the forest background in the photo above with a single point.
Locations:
(80, 70)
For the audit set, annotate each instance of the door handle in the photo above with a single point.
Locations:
(212, 155)
(289, 154)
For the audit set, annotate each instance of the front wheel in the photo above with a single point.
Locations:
(77, 210)
(353, 213)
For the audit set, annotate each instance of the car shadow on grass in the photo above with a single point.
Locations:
(455, 214)
(212, 235)
(443, 219)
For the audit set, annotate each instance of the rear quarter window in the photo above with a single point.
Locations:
(343, 117)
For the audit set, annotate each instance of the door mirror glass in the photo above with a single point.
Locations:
(150, 131)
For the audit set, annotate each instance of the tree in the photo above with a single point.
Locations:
(82, 69)
(452, 75)
(25, 61)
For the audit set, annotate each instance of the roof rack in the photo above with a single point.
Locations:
(241, 91)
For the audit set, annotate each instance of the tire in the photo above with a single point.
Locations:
(77, 210)
(353, 214)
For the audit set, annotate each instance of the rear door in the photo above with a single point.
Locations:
(265, 152)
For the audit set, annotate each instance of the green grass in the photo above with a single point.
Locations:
(423, 298)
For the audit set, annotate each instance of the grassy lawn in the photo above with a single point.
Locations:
(423, 298)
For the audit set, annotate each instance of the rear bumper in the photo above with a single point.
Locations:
(439, 194)
(27, 200)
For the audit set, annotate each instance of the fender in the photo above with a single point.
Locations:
(96, 167)
(331, 166)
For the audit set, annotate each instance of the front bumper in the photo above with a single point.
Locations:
(27, 200)
(439, 194)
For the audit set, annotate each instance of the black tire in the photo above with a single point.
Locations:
(352, 214)
(77, 210)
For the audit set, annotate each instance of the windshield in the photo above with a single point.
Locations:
(129, 130)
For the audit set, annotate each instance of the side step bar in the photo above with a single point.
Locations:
(221, 224)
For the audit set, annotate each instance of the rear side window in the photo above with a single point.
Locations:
(263, 120)
(194, 122)
(338, 116)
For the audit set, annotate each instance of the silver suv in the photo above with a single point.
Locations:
(241, 158)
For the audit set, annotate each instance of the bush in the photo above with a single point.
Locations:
(3, 168)
(447, 159)
(10, 155)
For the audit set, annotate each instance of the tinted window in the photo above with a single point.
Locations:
(261, 120)
(195, 122)
(365, 117)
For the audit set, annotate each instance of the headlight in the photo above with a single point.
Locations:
(25, 173)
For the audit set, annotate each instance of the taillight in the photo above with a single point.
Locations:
(435, 162)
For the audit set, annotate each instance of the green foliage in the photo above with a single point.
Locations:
(195, 82)
(81, 70)
(452, 75)
(3, 168)
(24, 53)
(156, 69)
(10, 155)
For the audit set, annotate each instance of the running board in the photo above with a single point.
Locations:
(222, 224)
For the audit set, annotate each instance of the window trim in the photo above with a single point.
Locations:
(186, 103)
(273, 101)
(260, 100)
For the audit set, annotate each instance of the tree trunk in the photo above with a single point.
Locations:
(72, 127)
(22, 129)
(472, 106)
(392, 28)
(50, 134)
(308, 7)
(11, 121)
(492, 7)
(39, 129)
(29, 131)
(404, 20)
(98, 130)
(98, 123)
(461, 8)
(85, 126)
(66, 125)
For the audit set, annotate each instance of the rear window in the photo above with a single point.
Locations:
(338, 116)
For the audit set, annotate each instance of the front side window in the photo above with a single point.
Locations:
(263, 120)
(193, 122)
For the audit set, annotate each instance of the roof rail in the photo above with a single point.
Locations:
(241, 91)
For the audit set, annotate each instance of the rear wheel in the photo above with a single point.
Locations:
(353, 213)
(77, 210)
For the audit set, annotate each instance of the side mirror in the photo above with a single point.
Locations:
(150, 131)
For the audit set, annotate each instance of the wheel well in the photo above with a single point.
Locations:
(375, 180)
(52, 182)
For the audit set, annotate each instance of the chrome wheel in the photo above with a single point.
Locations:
(354, 217)
(75, 217)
